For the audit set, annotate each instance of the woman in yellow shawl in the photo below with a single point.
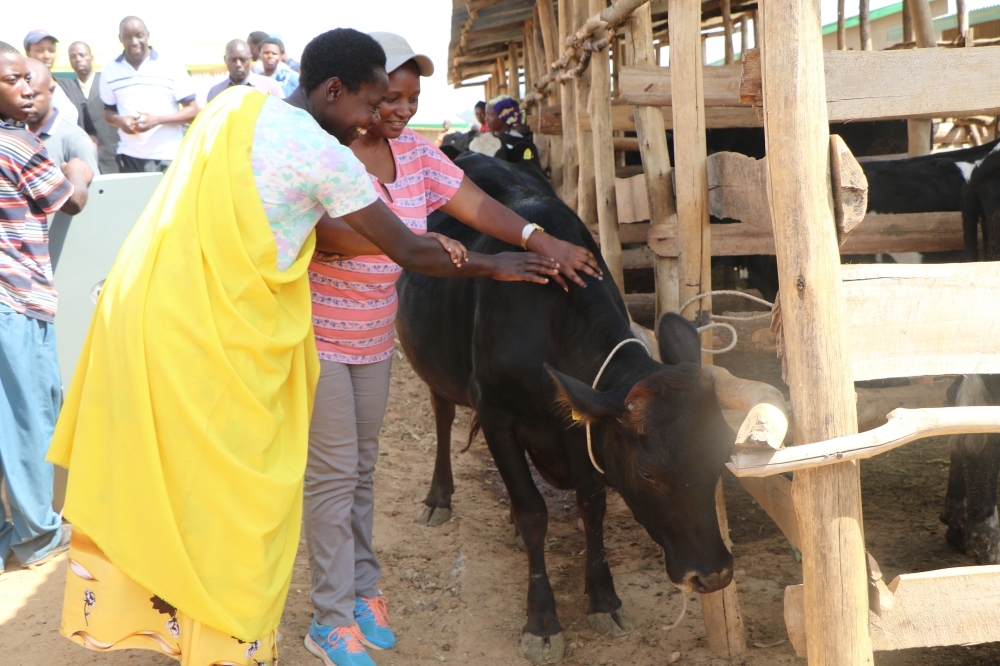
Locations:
(185, 427)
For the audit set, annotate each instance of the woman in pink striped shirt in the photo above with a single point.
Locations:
(354, 308)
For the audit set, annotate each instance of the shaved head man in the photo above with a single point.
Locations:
(84, 91)
(239, 60)
(148, 98)
(62, 139)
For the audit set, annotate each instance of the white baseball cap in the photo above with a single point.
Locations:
(398, 51)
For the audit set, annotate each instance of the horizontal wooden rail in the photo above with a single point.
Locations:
(860, 85)
(945, 607)
(904, 426)
(910, 232)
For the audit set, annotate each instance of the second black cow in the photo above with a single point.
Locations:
(523, 356)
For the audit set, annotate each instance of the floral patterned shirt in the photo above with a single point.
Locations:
(301, 172)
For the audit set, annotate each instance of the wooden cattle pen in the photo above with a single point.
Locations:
(596, 87)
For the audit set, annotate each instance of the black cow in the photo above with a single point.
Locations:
(523, 357)
(970, 509)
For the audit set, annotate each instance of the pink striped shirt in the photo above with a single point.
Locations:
(354, 301)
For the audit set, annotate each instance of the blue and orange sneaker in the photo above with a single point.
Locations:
(337, 646)
(373, 619)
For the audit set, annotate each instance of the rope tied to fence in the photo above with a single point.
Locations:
(720, 321)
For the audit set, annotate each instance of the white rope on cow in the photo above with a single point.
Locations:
(680, 617)
(719, 321)
(590, 445)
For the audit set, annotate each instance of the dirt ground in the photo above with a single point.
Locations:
(457, 592)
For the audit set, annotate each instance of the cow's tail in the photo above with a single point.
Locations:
(474, 429)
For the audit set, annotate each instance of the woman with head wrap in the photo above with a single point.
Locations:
(509, 138)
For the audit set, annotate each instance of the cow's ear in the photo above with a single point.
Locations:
(584, 404)
(678, 338)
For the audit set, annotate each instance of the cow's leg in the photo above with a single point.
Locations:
(605, 613)
(953, 514)
(437, 509)
(541, 638)
(982, 534)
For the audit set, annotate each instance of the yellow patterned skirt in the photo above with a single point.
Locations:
(106, 610)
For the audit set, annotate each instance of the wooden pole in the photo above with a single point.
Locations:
(907, 22)
(513, 72)
(827, 500)
(586, 190)
(727, 27)
(690, 157)
(841, 29)
(550, 33)
(744, 36)
(500, 70)
(755, 17)
(604, 158)
(919, 131)
(655, 159)
(962, 10)
(530, 65)
(567, 99)
(864, 26)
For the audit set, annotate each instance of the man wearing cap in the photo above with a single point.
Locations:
(84, 90)
(41, 45)
(148, 98)
(238, 61)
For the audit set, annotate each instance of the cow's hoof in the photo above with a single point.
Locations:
(615, 623)
(432, 516)
(982, 540)
(547, 650)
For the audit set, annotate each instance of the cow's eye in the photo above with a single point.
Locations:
(644, 473)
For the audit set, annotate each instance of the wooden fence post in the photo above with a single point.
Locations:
(570, 120)
(604, 158)
(827, 499)
(962, 10)
(550, 33)
(919, 130)
(655, 159)
(513, 72)
(586, 192)
(690, 159)
(907, 22)
(841, 27)
(744, 36)
(727, 29)
(864, 26)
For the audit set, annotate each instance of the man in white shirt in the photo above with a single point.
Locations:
(141, 92)
(238, 61)
(41, 45)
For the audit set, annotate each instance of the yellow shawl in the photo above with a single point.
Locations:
(185, 428)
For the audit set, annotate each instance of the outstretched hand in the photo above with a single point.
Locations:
(524, 266)
(570, 258)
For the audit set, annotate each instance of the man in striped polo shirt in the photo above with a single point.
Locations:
(31, 187)
(148, 98)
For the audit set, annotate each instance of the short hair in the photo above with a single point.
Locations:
(258, 37)
(481, 105)
(6, 48)
(351, 56)
(275, 42)
(82, 43)
(128, 19)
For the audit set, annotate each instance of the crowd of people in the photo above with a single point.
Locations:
(238, 359)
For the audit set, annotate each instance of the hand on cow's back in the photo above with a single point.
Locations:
(524, 267)
(571, 258)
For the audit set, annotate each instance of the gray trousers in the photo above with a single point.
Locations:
(339, 491)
